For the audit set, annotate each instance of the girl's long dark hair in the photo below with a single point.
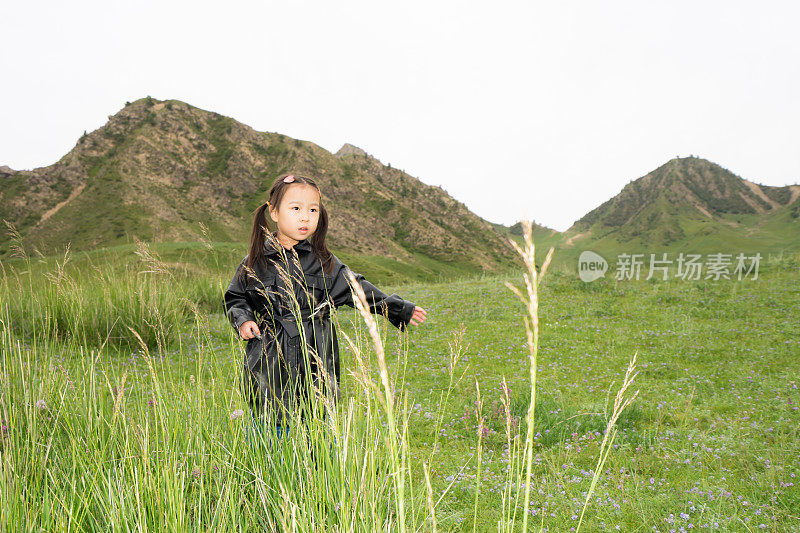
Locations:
(261, 225)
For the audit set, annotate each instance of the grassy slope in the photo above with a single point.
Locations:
(657, 214)
(775, 233)
(193, 258)
(714, 426)
(711, 439)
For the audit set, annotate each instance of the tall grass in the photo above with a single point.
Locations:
(93, 306)
(87, 447)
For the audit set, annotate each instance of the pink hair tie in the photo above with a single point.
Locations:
(289, 178)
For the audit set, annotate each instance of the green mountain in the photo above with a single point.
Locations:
(168, 172)
(161, 170)
(691, 205)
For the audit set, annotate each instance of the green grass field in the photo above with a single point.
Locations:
(104, 432)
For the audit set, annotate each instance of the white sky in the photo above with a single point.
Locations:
(538, 109)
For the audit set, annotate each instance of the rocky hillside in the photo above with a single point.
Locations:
(692, 202)
(158, 169)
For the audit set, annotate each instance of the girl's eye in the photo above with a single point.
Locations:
(313, 209)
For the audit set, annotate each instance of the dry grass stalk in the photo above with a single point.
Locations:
(360, 302)
(620, 403)
(431, 506)
(204, 240)
(17, 250)
(531, 301)
(153, 263)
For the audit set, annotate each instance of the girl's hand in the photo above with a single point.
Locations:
(418, 317)
(249, 330)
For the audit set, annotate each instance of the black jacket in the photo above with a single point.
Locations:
(277, 365)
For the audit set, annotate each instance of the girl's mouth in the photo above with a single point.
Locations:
(302, 230)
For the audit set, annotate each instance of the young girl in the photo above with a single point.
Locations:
(280, 298)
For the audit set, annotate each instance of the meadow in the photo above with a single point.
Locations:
(121, 408)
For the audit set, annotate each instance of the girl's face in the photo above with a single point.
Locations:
(298, 214)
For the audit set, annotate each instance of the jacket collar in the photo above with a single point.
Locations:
(269, 249)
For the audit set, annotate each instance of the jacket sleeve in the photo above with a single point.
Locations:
(397, 310)
(237, 308)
